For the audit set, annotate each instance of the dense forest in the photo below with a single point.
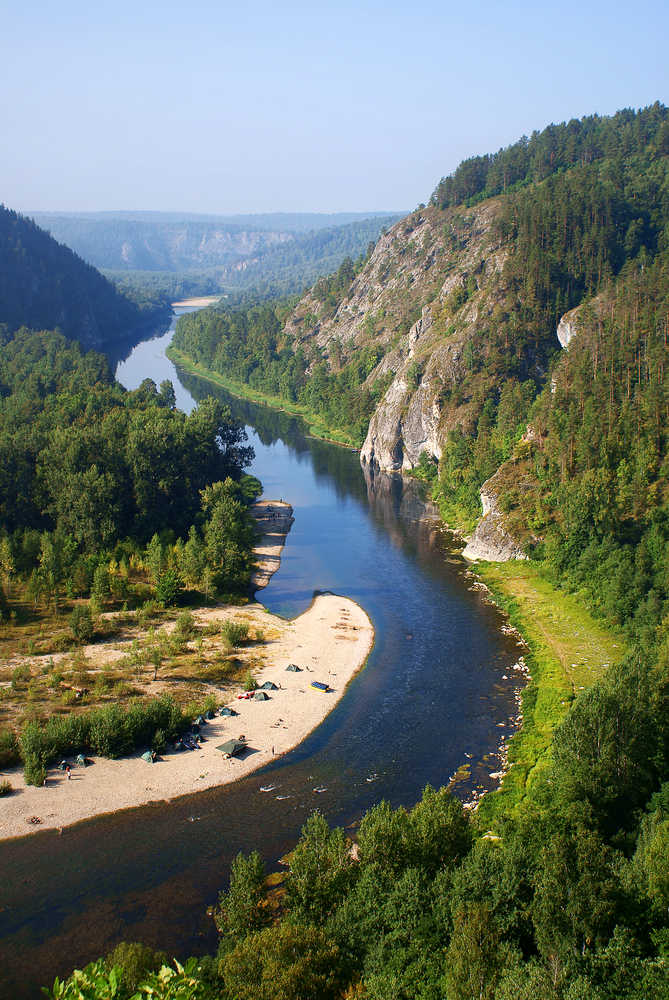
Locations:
(557, 149)
(90, 472)
(44, 285)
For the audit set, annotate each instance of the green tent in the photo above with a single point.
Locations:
(260, 696)
(293, 668)
(228, 711)
(269, 686)
(148, 757)
(232, 747)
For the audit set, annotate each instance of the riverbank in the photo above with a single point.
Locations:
(330, 642)
(274, 519)
(316, 428)
(566, 650)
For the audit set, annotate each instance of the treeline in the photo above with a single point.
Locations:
(44, 285)
(564, 899)
(90, 472)
(557, 148)
(249, 346)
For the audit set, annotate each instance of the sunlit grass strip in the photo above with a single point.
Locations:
(568, 650)
(317, 428)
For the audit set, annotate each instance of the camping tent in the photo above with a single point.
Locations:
(228, 711)
(148, 757)
(210, 714)
(293, 668)
(261, 696)
(269, 686)
(200, 721)
(232, 747)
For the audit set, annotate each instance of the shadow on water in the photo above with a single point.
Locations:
(433, 699)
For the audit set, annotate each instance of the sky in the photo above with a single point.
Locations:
(320, 106)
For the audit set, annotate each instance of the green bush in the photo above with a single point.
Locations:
(21, 675)
(159, 741)
(81, 623)
(235, 633)
(9, 748)
(185, 623)
(5, 787)
(137, 961)
(250, 683)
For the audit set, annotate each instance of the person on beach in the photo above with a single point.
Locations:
(68, 772)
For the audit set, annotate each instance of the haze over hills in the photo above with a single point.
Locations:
(154, 241)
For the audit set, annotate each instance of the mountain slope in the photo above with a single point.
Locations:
(44, 285)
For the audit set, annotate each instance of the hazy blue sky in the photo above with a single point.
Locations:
(261, 106)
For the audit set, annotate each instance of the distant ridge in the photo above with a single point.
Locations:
(296, 222)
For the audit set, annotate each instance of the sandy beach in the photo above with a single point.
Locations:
(330, 642)
(274, 519)
(198, 303)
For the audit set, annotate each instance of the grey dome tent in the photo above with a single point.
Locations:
(232, 747)
(261, 696)
(269, 686)
(293, 668)
(228, 711)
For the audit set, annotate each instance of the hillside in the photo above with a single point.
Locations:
(438, 353)
(44, 285)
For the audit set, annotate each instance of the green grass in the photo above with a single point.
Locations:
(317, 428)
(568, 651)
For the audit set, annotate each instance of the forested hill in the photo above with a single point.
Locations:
(438, 350)
(44, 285)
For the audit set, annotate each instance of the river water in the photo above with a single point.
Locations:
(436, 698)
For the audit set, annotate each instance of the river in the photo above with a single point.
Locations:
(437, 696)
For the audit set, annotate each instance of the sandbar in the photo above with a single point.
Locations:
(198, 303)
(330, 642)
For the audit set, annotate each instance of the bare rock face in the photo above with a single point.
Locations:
(491, 540)
(567, 328)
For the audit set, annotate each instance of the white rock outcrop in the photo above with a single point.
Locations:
(491, 540)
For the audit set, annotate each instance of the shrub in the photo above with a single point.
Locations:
(21, 675)
(34, 770)
(81, 623)
(5, 787)
(235, 633)
(250, 683)
(9, 748)
(185, 623)
(108, 732)
(159, 741)
(137, 962)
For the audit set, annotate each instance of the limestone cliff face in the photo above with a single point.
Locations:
(417, 302)
(491, 539)
(568, 327)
